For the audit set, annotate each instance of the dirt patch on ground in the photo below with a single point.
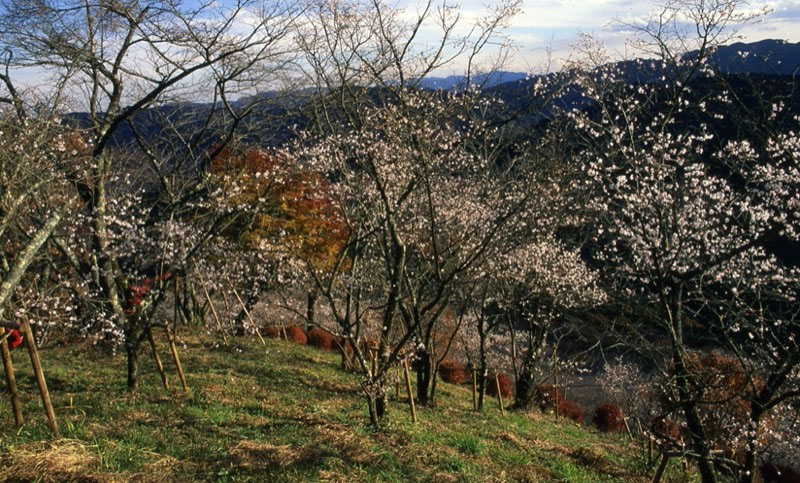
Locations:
(60, 461)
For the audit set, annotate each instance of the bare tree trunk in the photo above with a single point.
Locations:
(687, 400)
(423, 366)
(311, 308)
(133, 338)
(525, 383)
(483, 365)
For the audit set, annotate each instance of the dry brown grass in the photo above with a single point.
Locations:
(62, 461)
(255, 455)
(159, 471)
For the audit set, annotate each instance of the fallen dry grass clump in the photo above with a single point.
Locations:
(59, 461)
(254, 455)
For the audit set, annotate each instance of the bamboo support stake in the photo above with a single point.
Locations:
(499, 395)
(159, 365)
(247, 313)
(410, 395)
(214, 311)
(37, 369)
(177, 359)
(397, 382)
(474, 389)
(628, 428)
(12, 382)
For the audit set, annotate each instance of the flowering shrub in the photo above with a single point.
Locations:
(505, 385)
(452, 371)
(608, 418)
(320, 338)
(296, 335)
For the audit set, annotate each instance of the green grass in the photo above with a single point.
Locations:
(281, 413)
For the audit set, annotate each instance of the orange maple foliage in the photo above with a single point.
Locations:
(295, 209)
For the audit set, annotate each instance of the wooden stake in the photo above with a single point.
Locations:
(499, 396)
(410, 395)
(177, 359)
(159, 365)
(247, 313)
(628, 428)
(12, 382)
(214, 311)
(397, 382)
(474, 389)
(283, 331)
(37, 369)
(661, 468)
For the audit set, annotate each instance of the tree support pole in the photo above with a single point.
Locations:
(159, 365)
(213, 311)
(37, 369)
(247, 313)
(177, 359)
(410, 394)
(12, 382)
(499, 395)
(661, 468)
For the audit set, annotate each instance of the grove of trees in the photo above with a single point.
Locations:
(266, 152)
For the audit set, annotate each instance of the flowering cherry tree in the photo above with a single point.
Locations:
(688, 216)
(423, 207)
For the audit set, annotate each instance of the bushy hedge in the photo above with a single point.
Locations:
(608, 418)
(570, 410)
(505, 385)
(273, 332)
(321, 339)
(452, 371)
(296, 335)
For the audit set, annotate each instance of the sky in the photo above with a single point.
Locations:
(555, 25)
(549, 29)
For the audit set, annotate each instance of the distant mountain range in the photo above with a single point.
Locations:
(769, 57)
(486, 81)
(279, 114)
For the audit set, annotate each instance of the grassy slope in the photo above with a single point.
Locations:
(280, 412)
